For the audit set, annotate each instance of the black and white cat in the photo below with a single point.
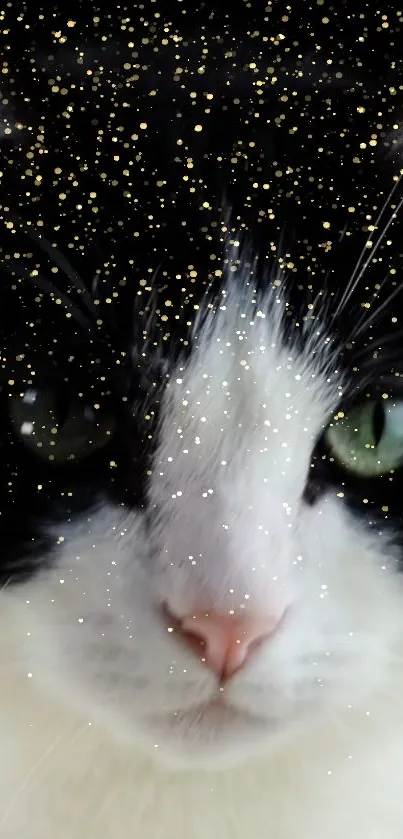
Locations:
(201, 408)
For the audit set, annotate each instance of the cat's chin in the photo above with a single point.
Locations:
(214, 735)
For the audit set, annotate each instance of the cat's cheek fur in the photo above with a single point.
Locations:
(89, 632)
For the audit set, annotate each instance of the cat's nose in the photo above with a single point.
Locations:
(225, 642)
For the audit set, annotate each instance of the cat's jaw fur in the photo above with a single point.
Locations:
(340, 777)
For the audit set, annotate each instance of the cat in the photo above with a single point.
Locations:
(201, 409)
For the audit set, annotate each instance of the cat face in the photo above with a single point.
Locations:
(230, 522)
(185, 446)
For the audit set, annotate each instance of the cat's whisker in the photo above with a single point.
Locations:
(343, 233)
(379, 240)
(34, 770)
(58, 258)
(364, 324)
(357, 273)
(363, 320)
(143, 323)
(321, 297)
(51, 291)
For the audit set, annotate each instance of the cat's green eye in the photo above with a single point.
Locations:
(369, 439)
(56, 433)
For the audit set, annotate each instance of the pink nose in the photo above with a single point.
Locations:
(225, 642)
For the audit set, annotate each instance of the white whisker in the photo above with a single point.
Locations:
(33, 771)
(365, 323)
(355, 276)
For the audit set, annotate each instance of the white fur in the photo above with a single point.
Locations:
(106, 729)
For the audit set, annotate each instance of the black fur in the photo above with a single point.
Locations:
(111, 183)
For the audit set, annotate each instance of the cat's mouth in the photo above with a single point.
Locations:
(215, 733)
(215, 712)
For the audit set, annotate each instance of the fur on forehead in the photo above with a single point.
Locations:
(249, 367)
(249, 398)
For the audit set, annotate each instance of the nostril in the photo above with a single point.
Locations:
(188, 631)
(193, 640)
